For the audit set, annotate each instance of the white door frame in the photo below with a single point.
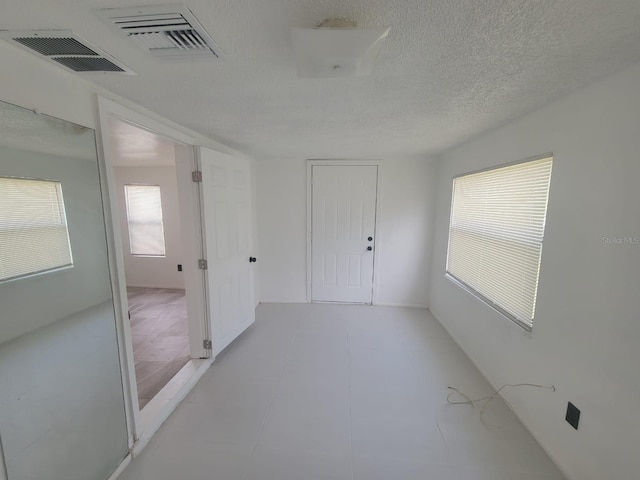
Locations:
(137, 425)
(379, 238)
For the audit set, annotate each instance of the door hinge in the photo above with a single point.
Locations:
(203, 264)
(207, 345)
(196, 176)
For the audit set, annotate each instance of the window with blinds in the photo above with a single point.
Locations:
(144, 215)
(496, 232)
(33, 228)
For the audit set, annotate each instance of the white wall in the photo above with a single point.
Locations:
(153, 272)
(586, 331)
(404, 221)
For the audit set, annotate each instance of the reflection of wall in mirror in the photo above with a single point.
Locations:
(33, 302)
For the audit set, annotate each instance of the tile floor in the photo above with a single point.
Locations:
(340, 392)
(160, 335)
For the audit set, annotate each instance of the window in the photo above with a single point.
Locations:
(33, 228)
(496, 232)
(144, 214)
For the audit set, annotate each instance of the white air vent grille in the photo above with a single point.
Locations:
(65, 48)
(167, 32)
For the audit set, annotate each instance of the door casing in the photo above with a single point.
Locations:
(141, 427)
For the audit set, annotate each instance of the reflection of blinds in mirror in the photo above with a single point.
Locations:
(33, 228)
(144, 215)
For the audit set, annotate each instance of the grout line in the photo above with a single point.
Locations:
(349, 400)
(273, 399)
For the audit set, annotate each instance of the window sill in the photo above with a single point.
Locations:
(487, 302)
(41, 273)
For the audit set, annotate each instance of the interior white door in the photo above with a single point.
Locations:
(343, 224)
(227, 209)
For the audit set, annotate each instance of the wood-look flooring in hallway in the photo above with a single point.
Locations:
(160, 337)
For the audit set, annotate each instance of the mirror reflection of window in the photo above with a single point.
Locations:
(34, 237)
(144, 216)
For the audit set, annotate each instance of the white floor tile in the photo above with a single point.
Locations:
(297, 466)
(410, 438)
(314, 433)
(385, 468)
(341, 392)
(190, 460)
(233, 424)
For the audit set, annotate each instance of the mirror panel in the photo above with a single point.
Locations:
(62, 411)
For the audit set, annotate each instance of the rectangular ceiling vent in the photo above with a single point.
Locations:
(63, 47)
(168, 32)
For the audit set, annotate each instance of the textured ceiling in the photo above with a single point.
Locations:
(448, 71)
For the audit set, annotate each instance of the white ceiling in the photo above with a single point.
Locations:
(449, 70)
(136, 147)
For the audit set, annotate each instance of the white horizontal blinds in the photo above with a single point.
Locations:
(144, 213)
(496, 233)
(33, 228)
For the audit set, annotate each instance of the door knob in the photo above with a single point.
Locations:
(253, 259)
(369, 248)
(370, 239)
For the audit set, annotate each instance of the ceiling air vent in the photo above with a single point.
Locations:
(65, 48)
(168, 32)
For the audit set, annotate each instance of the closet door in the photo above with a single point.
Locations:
(62, 410)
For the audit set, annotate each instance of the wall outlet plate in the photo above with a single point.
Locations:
(179, 267)
(573, 415)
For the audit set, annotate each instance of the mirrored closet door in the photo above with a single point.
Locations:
(62, 410)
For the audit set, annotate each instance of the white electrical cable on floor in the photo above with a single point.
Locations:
(488, 398)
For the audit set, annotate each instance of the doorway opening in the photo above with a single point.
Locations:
(150, 205)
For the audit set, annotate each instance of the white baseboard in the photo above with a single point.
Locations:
(284, 301)
(401, 305)
(118, 471)
(297, 302)
(168, 287)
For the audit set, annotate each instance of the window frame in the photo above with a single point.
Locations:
(469, 289)
(164, 240)
(63, 215)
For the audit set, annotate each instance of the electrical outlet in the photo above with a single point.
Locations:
(179, 267)
(573, 415)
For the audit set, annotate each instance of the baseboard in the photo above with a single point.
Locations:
(123, 464)
(182, 287)
(295, 302)
(291, 302)
(401, 305)
(501, 395)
